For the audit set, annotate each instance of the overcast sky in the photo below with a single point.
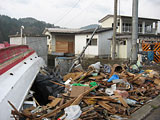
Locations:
(74, 13)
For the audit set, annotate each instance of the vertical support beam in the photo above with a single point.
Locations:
(121, 25)
(143, 27)
(134, 31)
(114, 30)
(156, 27)
(21, 36)
(22, 42)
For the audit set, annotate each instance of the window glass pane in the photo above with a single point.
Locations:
(93, 42)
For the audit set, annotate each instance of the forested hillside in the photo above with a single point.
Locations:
(10, 26)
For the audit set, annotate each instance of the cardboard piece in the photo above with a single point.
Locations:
(77, 90)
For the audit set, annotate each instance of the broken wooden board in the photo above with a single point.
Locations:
(54, 102)
(107, 107)
(72, 75)
(96, 77)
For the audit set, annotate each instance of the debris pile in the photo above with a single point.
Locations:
(101, 92)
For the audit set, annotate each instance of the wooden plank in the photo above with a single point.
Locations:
(54, 102)
(57, 83)
(90, 109)
(96, 77)
(70, 47)
(62, 46)
(85, 74)
(62, 101)
(78, 76)
(54, 112)
(16, 111)
(108, 98)
(121, 100)
(51, 97)
(107, 107)
(102, 74)
(136, 77)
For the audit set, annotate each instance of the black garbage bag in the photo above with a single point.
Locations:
(44, 88)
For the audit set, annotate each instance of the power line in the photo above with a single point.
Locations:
(76, 16)
(60, 19)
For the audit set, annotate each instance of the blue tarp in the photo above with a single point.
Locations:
(150, 55)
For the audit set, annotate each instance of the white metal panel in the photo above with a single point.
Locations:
(15, 87)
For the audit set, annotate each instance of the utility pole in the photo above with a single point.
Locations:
(134, 31)
(22, 27)
(114, 30)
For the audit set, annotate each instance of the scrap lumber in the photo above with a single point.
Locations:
(54, 102)
(79, 98)
(52, 113)
(51, 97)
(90, 109)
(57, 83)
(107, 107)
(96, 77)
(121, 100)
(16, 111)
(102, 74)
(108, 98)
(136, 77)
(78, 76)
(97, 104)
(62, 101)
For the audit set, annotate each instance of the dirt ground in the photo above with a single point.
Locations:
(88, 61)
(155, 67)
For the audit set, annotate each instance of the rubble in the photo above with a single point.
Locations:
(92, 94)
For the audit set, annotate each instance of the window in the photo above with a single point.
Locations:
(127, 27)
(148, 28)
(93, 42)
(48, 37)
(118, 24)
(122, 42)
(140, 28)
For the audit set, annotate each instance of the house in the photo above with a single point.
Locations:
(147, 31)
(73, 41)
(60, 40)
(100, 44)
(38, 43)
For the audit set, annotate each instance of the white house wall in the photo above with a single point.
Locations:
(110, 21)
(80, 43)
(121, 50)
(104, 47)
(17, 40)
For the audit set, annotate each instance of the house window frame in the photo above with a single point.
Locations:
(140, 28)
(92, 42)
(126, 27)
